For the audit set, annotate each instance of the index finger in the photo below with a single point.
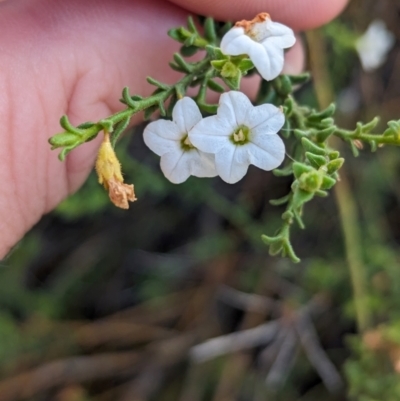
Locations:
(298, 14)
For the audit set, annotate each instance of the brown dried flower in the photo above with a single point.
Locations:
(108, 170)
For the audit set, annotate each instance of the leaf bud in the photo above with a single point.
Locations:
(334, 165)
(311, 181)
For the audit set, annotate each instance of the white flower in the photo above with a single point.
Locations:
(239, 135)
(374, 45)
(169, 139)
(263, 41)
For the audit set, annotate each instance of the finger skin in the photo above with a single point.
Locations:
(298, 14)
(73, 58)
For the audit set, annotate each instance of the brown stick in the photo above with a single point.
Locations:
(71, 370)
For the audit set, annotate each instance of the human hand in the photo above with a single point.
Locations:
(73, 57)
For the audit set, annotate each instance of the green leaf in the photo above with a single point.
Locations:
(64, 139)
(188, 51)
(283, 85)
(157, 83)
(394, 128)
(208, 108)
(275, 244)
(327, 122)
(127, 98)
(327, 182)
(324, 134)
(299, 134)
(186, 67)
(176, 67)
(300, 168)
(119, 128)
(149, 111)
(225, 28)
(328, 112)
(300, 197)
(354, 148)
(216, 53)
(162, 108)
(176, 35)
(191, 25)
(280, 201)
(218, 64)
(209, 30)
(184, 33)
(245, 65)
(287, 216)
(299, 79)
(289, 251)
(316, 160)
(283, 172)
(86, 125)
(371, 125)
(311, 147)
(286, 129)
(334, 154)
(63, 154)
(288, 106)
(189, 42)
(275, 248)
(233, 83)
(64, 122)
(334, 165)
(172, 102)
(214, 86)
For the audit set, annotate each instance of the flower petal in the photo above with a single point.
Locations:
(178, 166)
(175, 167)
(265, 119)
(265, 151)
(211, 134)
(268, 60)
(231, 163)
(162, 136)
(203, 165)
(233, 107)
(186, 114)
(279, 35)
(235, 42)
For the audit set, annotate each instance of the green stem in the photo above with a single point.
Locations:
(345, 201)
(378, 139)
(199, 70)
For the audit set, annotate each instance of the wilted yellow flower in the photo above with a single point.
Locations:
(108, 169)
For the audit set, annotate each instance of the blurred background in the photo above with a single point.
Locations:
(177, 299)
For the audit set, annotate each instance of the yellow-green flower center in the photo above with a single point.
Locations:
(241, 135)
(186, 144)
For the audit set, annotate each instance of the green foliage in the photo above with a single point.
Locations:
(371, 373)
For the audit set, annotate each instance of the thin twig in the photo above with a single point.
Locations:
(234, 342)
(247, 302)
(316, 354)
(71, 370)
